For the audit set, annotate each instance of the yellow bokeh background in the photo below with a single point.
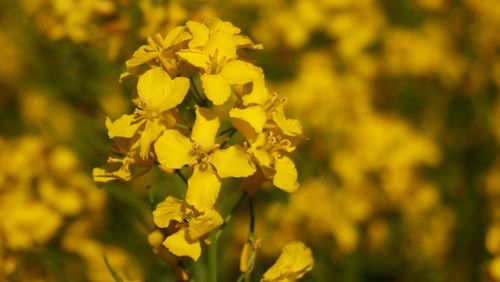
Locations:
(399, 175)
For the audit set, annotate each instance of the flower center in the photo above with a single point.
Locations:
(275, 143)
(274, 102)
(216, 64)
(203, 156)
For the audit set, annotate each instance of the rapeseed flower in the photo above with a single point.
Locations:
(209, 161)
(213, 50)
(269, 135)
(190, 226)
(159, 52)
(158, 95)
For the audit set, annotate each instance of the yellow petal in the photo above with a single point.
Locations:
(295, 260)
(259, 94)
(286, 175)
(221, 46)
(180, 245)
(124, 75)
(175, 36)
(175, 93)
(153, 87)
(240, 72)
(290, 127)
(196, 58)
(166, 211)
(141, 56)
(149, 135)
(205, 128)
(203, 188)
(216, 88)
(217, 24)
(232, 162)
(108, 173)
(200, 34)
(261, 155)
(112, 170)
(201, 225)
(249, 121)
(124, 127)
(243, 41)
(173, 149)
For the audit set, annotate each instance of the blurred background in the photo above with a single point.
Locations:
(400, 177)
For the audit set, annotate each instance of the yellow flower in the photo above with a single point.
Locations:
(158, 52)
(295, 260)
(210, 162)
(158, 95)
(118, 168)
(267, 151)
(253, 93)
(124, 155)
(269, 134)
(253, 119)
(191, 226)
(213, 51)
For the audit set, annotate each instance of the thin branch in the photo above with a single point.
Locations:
(252, 218)
(225, 131)
(229, 136)
(179, 173)
(115, 275)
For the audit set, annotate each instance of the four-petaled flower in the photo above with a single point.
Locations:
(190, 226)
(213, 52)
(269, 136)
(210, 162)
(158, 96)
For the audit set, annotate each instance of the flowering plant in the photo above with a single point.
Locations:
(195, 92)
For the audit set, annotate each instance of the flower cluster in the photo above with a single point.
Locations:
(195, 92)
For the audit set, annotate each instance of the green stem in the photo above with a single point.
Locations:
(115, 275)
(247, 277)
(228, 130)
(195, 96)
(251, 233)
(230, 215)
(199, 99)
(212, 257)
(179, 173)
(214, 238)
(241, 278)
(229, 136)
(252, 217)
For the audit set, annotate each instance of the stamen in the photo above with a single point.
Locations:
(285, 143)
